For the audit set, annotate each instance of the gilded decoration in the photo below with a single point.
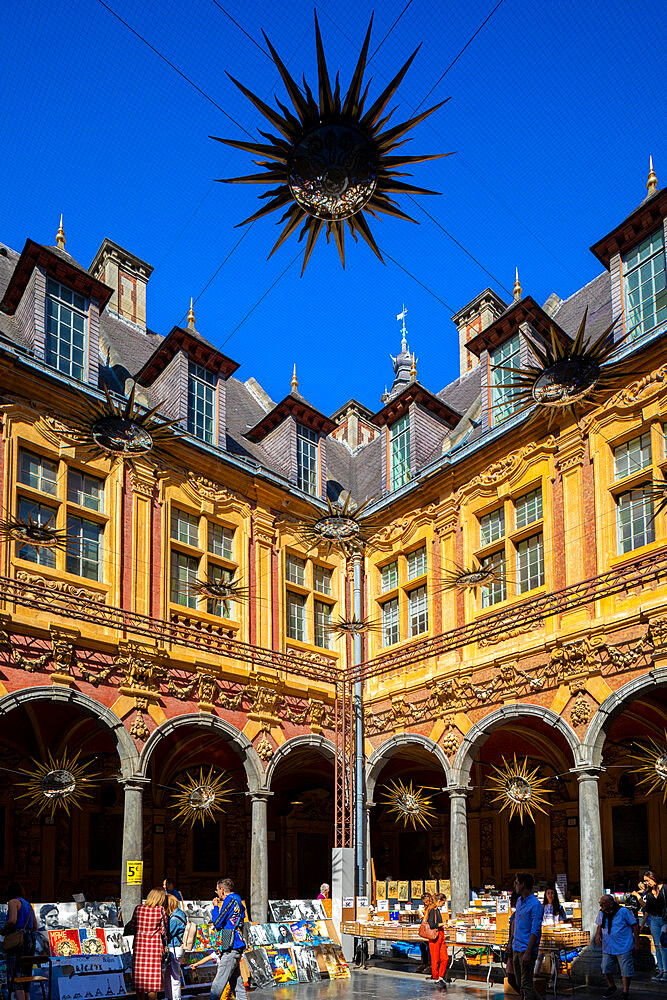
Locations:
(199, 797)
(401, 529)
(139, 730)
(59, 783)
(200, 489)
(505, 468)
(265, 748)
(142, 669)
(627, 399)
(450, 743)
(581, 711)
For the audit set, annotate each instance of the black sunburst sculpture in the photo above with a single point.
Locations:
(123, 430)
(657, 492)
(461, 577)
(565, 376)
(342, 528)
(353, 626)
(331, 160)
(28, 531)
(220, 589)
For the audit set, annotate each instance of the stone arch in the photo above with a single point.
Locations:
(246, 751)
(386, 751)
(320, 744)
(612, 706)
(480, 732)
(127, 751)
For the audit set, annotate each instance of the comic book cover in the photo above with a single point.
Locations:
(64, 943)
(380, 890)
(92, 941)
(282, 965)
(416, 889)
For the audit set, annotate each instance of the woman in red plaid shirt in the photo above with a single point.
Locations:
(149, 927)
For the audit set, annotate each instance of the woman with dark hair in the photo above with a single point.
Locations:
(437, 947)
(655, 908)
(552, 907)
(20, 927)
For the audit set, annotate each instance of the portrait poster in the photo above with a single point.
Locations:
(259, 935)
(259, 967)
(280, 934)
(431, 885)
(392, 890)
(56, 916)
(380, 890)
(403, 892)
(305, 962)
(416, 889)
(283, 911)
(282, 965)
(92, 941)
(64, 943)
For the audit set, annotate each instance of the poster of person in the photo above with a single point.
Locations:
(259, 967)
(259, 935)
(92, 941)
(116, 942)
(55, 916)
(103, 914)
(64, 943)
(431, 885)
(416, 889)
(380, 890)
(198, 911)
(305, 963)
(322, 935)
(282, 965)
(282, 911)
(392, 890)
(303, 931)
(281, 934)
(311, 909)
(286, 911)
(403, 893)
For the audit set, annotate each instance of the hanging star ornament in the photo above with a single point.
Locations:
(342, 528)
(653, 760)
(220, 588)
(519, 789)
(60, 783)
(331, 160)
(564, 376)
(201, 797)
(459, 577)
(124, 429)
(409, 804)
(353, 626)
(37, 534)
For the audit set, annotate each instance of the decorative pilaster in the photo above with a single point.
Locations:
(459, 871)
(590, 843)
(133, 841)
(259, 857)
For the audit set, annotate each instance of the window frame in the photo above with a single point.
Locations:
(506, 548)
(639, 330)
(49, 336)
(307, 474)
(503, 403)
(209, 564)
(400, 472)
(397, 589)
(306, 586)
(202, 384)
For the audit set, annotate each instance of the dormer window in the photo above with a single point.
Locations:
(399, 448)
(66, 330)
(503, 398)
(201, 402)
(306, 460)
(644, 292)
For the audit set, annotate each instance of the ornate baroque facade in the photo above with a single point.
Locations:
(111, 645)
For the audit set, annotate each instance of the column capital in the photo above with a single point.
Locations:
(369, 805)
(459, 791)
(587, 772)
(260, 794)
(136, 782)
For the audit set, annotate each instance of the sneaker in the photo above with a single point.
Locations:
(609, 992)
(440, 984)
(659, 978)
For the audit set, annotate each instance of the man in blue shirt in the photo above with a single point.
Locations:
(168, 887)
(526, 934)
(618, 933)
(228, 915)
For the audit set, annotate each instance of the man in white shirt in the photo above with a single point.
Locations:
(618, 934)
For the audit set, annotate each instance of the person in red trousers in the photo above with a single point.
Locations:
(437, 948)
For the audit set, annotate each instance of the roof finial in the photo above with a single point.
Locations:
(191, 316)
(652, 182)
(401, 318)
(295, 382)
(413, 369)
(517, 286)
(60, 235)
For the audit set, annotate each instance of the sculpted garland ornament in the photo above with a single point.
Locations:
(519, 789)
(60, 783)
(331, 160)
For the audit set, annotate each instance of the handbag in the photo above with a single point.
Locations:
(225, 938)
(427, 932)
(189, 935)
(13, 941)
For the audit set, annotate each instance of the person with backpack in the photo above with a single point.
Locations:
(19, 937)
(176, 925)
(655, 908)
(228, 918)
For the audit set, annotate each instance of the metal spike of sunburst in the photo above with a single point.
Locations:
(353, 626)
(566, 376)
(657, 492)
(519, 789)
(122, 429)
(331, 160)
(342, 528)
(37, 535)
(653, 760)
(409, 804)
(201, 797)
(219, 589)
(60, 783)
(460, 577)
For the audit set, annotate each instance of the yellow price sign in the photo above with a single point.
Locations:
(135, 873)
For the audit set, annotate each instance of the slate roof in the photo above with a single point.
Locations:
(597, 296)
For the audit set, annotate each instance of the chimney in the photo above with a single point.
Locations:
(472, 319)
(128, 276)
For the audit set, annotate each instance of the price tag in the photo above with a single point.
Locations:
(502, 905)
(383, 905)
(135, 873)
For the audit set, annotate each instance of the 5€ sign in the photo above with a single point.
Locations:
(135, 873)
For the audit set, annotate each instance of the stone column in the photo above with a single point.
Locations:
(133, 841)
(369, 854)
(590, 843)
(459, 870)
(259, 857)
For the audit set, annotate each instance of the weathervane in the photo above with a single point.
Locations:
(331, 159)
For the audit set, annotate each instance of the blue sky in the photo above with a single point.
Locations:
(554, 110)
